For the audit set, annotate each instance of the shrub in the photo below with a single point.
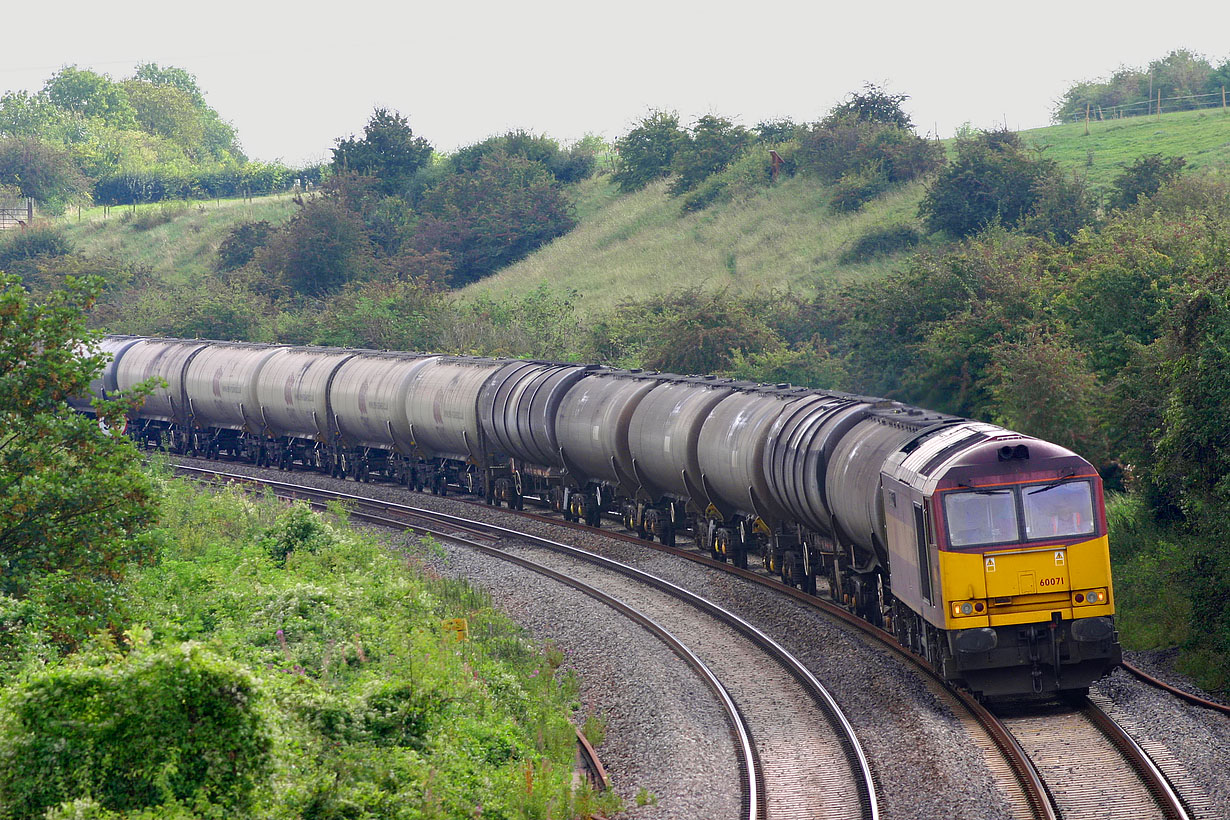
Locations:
(178, 724)
(857, 188)
(881, 242)
(647, 151)
(241, 243)
(1143, 178)
(41, 240)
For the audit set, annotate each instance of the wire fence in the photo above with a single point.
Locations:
(1149, 107)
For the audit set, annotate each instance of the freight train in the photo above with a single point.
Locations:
(981, 549)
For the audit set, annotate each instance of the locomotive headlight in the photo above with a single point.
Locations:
(963, 608)
(1091, 596)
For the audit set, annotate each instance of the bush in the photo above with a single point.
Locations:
(849, 144)
(881, 242)
(1143, 178)
(648, 150)
(33, 242)
(178, 724)
(856, 189)
(241, 244)
(994, 178)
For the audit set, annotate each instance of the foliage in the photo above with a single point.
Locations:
(711, 144)
(856, 188)
(572, 165)
(834, 148)
(40, 171)
(71, 495)
(320, 249)
(174, 725)
(371, 712)
(492, 217)
(241, 244)
(389, 151)
(1143, 178)
(690, 332)
(1178, 78)
(90, 94)
(405, 313)
(993, 179)
(881, 242)
(647, 152)
(36, 241)
(872, 104)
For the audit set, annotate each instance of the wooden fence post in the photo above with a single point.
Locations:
(1159, 105)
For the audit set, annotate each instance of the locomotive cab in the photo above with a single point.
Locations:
(999, 553)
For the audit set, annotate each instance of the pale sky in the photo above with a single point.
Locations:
(293, 77)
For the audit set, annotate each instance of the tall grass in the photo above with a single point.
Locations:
(177, 240)
(641, 244)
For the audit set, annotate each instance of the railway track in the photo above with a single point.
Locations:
(810, 766)
(1019, 748)
(1092, 766)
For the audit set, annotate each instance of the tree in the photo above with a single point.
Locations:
(320, 249)
(493, 217)
(389, 150)
(47, 174)
(28, 115)
(170, 77)
(647, 151)
(873, 104)
(90, 94)
(572, 165)
(167, 111)
(706, 148)
(72, 496)
(1143, 178)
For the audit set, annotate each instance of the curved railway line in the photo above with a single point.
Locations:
(1020, 745)
(828, 778)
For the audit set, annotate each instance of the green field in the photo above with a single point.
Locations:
(1202, 137)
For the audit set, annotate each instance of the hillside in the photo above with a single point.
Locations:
(786, 237)
(1202, 137)
(625, 245)
(781, 238)
(177, 241)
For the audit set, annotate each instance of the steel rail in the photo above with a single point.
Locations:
(1155, 781)
(1174, 690)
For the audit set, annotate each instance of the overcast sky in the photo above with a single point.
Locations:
(292, 77)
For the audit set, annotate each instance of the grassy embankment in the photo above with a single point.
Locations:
(642, 243)
(176, 240)
(359, 702)
(786, 237)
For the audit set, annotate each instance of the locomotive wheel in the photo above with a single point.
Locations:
(593, 516)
